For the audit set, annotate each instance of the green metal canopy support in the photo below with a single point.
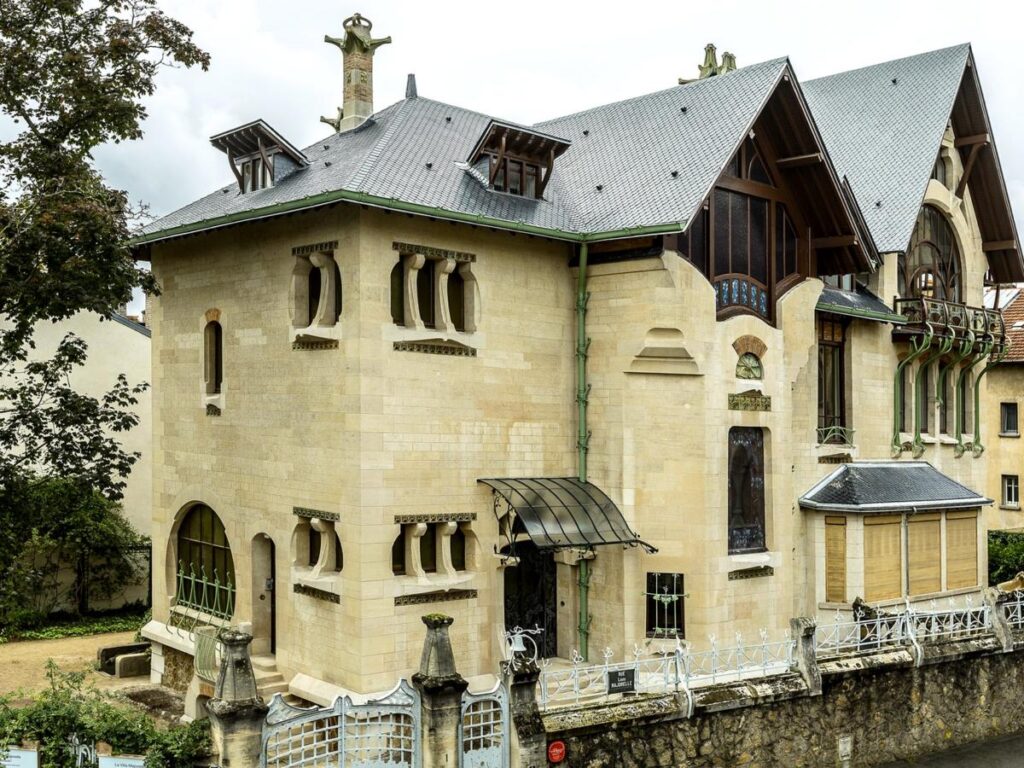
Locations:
(583, 436)
(965, 372)
(976, 447)
(918, 346)
(921, 397)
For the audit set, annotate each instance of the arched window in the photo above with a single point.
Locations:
(940, 172)
(931, 268)
(213, 357)
(206, 571)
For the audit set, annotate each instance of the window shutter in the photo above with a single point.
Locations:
(925, 553)
(883, 558)
(835, 559)
(961, 549)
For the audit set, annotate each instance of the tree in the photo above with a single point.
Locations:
(73, 76)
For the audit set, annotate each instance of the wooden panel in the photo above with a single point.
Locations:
(924, 545)
(883, 558)
(835, 559)
(961, 550)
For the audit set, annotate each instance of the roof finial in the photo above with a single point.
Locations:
(728, 63)
(410, 87)
(710, 66)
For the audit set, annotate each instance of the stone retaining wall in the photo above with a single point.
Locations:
(178, 669)
(886, 707)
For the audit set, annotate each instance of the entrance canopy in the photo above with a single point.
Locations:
(563, 512)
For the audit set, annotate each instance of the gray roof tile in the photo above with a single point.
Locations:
(881, 486)
(885, 137)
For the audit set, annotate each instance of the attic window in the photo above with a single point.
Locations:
(258, 155)
(748, 164)
(519, 159)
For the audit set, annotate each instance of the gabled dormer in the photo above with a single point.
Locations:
(516, 159)
(258, 155)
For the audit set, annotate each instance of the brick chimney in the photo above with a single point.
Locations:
(357, 48)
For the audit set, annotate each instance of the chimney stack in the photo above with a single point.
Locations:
(357, 47)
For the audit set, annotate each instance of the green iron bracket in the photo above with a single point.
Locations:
(964, 351)
(918, 346)
(976, 447)
(921, 397)
(986, 348)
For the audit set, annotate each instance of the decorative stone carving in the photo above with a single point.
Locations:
(440, 596)
(749, 367)
(317, 594)
(436, 253)
(751, 400)
(450, 348)
(750, 345)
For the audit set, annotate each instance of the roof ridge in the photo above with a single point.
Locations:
(778, 61)
(965, 46)
(360, 176)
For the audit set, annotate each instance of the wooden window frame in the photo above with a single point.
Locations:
(1005, 409)
(829, 345)
(954, 518)
(876, 521)
(528, 168)
(924, 564)
(1010, 487)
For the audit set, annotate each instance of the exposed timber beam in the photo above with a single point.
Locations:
(999, 245)
(967, 141)
(972, 158)
(838, 241)
(798, 161)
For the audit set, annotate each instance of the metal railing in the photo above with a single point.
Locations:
(675, 670)
(210, 596)
(950, 624)
(860, 635)
(208, 653)
(1013, 611)
(835, 435)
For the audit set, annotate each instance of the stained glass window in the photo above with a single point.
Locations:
(749, 367)
(746, 490)
(931, 268)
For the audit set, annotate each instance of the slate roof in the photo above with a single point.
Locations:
(883, 486)
(859, 302)
(884, 136)
(631, 149)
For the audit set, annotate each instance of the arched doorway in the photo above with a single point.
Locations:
(264, 594)
(531, 595)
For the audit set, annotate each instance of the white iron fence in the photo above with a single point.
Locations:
(385, 732)
(676, 670)
(1013, 611)
(484, 725)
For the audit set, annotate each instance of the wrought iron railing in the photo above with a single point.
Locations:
(1013, 611)
(862, 634)
(950, 319)
(950, 624)
(208, 653)
(212, 597)
(835, 435)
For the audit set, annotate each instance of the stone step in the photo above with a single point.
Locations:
(267, 691)
(265, 674)
(264, 662)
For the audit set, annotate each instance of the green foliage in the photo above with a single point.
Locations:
(55, 523)
(1005, 555)
(67, 709)
(40, 627)
(73, 75)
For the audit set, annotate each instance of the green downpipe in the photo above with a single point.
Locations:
(977, 448)
(583, 436)
(917, 348)
(921, 397)
(986, 347)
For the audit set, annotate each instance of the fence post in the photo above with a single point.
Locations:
(237, 712)
(1001, 627)
(441, 688)
(803, 629)
(521, 674)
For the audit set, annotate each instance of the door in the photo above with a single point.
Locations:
(264, 591)
(272, 596)
(531, 595)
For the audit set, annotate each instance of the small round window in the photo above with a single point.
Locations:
(749, 367)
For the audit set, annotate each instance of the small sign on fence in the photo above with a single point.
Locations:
(121, 761)
(21, 758)
(621, 680)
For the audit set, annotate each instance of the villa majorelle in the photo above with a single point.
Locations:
(686, 364)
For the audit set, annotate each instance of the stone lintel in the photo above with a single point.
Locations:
(450, 348)
(433, 253)
(319, 514)
(306, 250)
(751, 573)
(314, 345)
(319, 594)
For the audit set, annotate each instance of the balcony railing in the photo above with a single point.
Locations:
(951, 320)
(835, 435)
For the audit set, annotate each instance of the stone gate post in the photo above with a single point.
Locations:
(236, 711)
(529, 745)
(441, 688)
(803, 630)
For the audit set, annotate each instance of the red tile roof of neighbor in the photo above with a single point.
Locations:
(1013, 316)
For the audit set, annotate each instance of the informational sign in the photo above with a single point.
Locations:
(621, 680)
(121, 761)
(556, 751)
(20, 758)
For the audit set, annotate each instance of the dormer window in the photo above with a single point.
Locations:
(258, 155)
(517, 160)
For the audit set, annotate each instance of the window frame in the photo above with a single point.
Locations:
(213, 357)
(830, 346)
(212, 548)
(527, 169)
(676, 628)
(1010, 491)
(1005, 410)
(751, 517)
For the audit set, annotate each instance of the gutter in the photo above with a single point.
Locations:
(391, 204)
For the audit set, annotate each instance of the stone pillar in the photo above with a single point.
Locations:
(441, 687)
(529, 745)
(806, 658)
(237, 712)
(1000, 626)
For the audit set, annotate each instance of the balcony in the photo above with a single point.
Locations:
(980, 328)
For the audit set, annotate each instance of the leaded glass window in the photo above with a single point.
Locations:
(206, 570)
(831, 381)
(749, 367)
(931, 268)
(746, 490)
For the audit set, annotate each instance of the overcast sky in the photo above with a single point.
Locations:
(524, 61)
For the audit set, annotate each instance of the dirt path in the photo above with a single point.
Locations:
(23, 664)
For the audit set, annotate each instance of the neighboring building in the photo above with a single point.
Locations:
(1002, 416)
(115, 345)
(387, 361)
